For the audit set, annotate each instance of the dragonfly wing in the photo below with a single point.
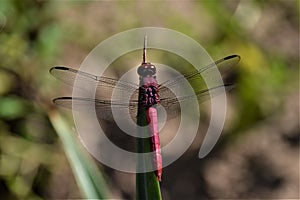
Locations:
(223, 65)
(172, 105)
(103, 108)
(104, 86)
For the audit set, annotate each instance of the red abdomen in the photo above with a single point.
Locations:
(151, 115)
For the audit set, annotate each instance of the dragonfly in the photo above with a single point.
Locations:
(146, 95)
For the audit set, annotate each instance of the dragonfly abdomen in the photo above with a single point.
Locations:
(151, 115)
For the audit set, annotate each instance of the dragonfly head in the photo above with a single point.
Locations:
(146, 69)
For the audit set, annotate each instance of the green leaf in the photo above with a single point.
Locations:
(13, 107)
(88, 177)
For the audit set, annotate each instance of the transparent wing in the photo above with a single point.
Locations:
(171, 102)
(103, 108)
(103, 102)
(104, 85)
(195, 77)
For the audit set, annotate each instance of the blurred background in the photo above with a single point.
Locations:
(257, 155)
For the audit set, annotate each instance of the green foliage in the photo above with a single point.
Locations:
(13, 108)
(89, 178)
(36, 35)
(29, 39)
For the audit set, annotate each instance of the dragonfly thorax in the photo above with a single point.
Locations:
(146, 69)
(149, 96)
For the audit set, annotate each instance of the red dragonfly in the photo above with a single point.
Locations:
(145, 95)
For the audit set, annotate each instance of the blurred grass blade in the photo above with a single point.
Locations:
(88, 177)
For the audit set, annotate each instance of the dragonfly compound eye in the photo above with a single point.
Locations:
(146, 69)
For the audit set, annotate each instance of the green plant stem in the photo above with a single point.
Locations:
(147, 185)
